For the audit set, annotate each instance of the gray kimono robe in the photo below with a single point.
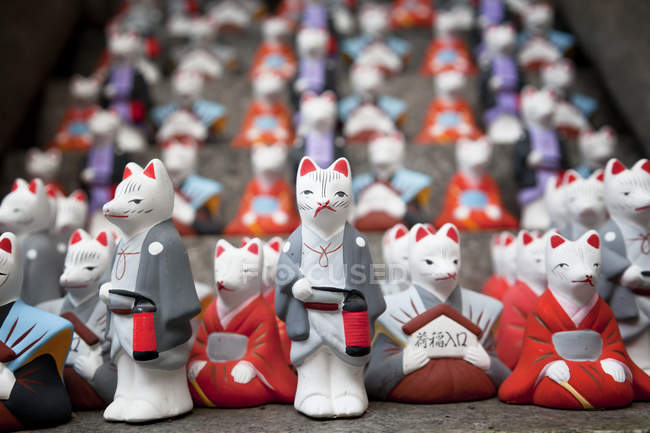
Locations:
(42, 268)
(358, 275)
(166, 279)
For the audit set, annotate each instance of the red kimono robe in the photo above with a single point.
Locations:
(214, 385)
(447, 54)
(587, 377)
(263, 202)
(476, 197)
(73, 132)
(518, 302)
(274, 57)
(267, 120)
(450, 116)
(411, 13)
(496, 287)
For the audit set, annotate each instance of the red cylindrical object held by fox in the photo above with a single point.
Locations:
(356, 325)
(144, 336)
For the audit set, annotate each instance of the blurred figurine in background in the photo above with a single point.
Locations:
(585, 203)
(316, 71)
(449, 116)
(267, 119)
(521, 297)
(555, 203)
(45, 165)
(197, 199)
(596, 148)
(102, 165)
(394, 247)
(267, 205)
(125, 89)
(151, 297)
(188, 87)
(73, 132)
(539, 155)
(448, 51)
(503, 255)
(274, 54)
(472, 199)
(368, 111)
(413, 358)
(390, 193)
(90, 378)
(374, 47)
(27, 211)
(237, 359)
(411, 13)
(33, 348)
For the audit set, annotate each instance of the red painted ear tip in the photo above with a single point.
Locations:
(594, 241)
(431, 229)
(556, 241)
(220, 250)
(253, 249)
(51, 191)
(342, 167)
(307, 166)
(617, 167)
(452, 234)
(571, 178)
(275, 245)
(527, 238)
(76, 237)
(127, 173)
(5, 245)
(150, 171)
(600, 177)
(646, 166)
(102, 238)
(508, 240)
(400, 232)
(421, 233)
(14, 187)
(32, 186)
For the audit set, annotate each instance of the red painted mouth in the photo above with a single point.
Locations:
(588, 279)
(642, 208)
(76, 287)
(323, 206)
(221, 287)
(115, 216)
(448, 277)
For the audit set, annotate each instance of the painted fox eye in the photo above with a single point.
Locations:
(626, 193)
(341, 194)
(562, 265)
(135, 201)
(428, 262)
(455, 261)
(596, 265)
(307, 192)
(90, 268)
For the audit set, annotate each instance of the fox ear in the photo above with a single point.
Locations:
(253, 246)
(222, 246)
(400, 232)
(102, 238)
(34, 186)
(275, 244)
(5, 244)
(450, 231)
(342, 166)
(79, 195)
(421, 233)
(526, 238)
(306, 166)
(556, 241)
(592, 239)
(149, 170)
(76, 237)
(615, 166)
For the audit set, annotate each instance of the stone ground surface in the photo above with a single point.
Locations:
(232, 168)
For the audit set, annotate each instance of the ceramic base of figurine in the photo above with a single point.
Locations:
(147, 394)
(328, 387)
(534, 216)
(639, 350)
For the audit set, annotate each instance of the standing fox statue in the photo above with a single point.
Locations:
(151, 297)
(430, 345)
(326, 295)
(573, 355)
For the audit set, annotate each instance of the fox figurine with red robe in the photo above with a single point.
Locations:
(573, 355)
(503, 266)
(447, 51)
(473, 200)
(521, 297)
(237, 359)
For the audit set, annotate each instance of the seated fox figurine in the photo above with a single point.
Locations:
(266, 206)
(449, 116)
(237, 359)
(90, 378)
(26, 210)
(33, 348)
(430, 343)
(473, 200)
(503, 253)
(411, 13)
(447, 51)
(395, 251)
(73, 132)
(521, 297)
(368, 111)
(151, 297)
(267, 119)
(585, 203)
(274, 54)
(573, 355)
(391, 193)
(625, 281)
(596, 148)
